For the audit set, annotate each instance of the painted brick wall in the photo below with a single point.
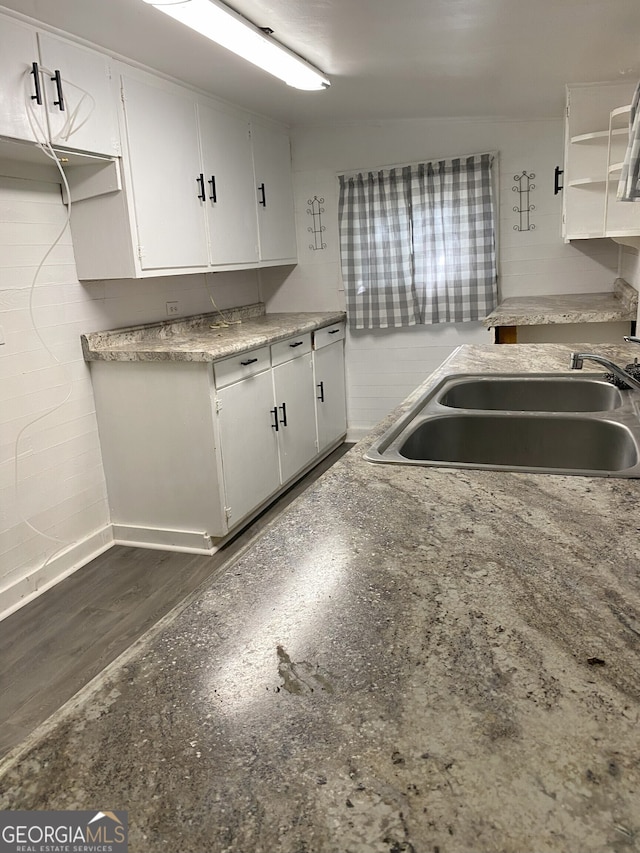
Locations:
(61, 487)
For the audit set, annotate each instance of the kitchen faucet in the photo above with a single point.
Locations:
(578, 357)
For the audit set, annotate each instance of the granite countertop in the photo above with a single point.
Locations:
(619, 304)
(408, 660)
(204, 337)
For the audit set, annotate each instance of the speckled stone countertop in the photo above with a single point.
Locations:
(408, 660)
(202, 337)
(619, 304)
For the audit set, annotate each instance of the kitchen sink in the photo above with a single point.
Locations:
(536, 423)
(523, 442)
(531, 393)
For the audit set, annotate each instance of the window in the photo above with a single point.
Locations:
(418, 243)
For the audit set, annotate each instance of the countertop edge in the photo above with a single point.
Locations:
(278, 327)
(623, 306)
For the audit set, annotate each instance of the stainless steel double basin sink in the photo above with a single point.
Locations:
(538, 423)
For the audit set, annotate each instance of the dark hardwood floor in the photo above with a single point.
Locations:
(57, 643)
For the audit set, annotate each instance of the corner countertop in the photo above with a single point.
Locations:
(407, 659)
(619, 304)
(204, 337)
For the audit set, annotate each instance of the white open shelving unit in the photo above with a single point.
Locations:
(596, 138)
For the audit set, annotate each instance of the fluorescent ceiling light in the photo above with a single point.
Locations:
(229, 29)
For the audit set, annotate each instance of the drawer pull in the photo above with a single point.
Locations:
(333, 331)
(214, 196)
(320, 386)
(297, 344)
(284, 414)
(263, 199)
(274, 412)
(248, 361)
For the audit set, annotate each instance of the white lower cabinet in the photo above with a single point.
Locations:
(191, 450)
(249, 445)
(293, 391)
(331, 409)
(266, 422)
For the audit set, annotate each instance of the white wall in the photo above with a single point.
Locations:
(61, 484)
(384, 366)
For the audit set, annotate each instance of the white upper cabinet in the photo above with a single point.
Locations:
(276, 217)
(79, 97)
(167, 183)
(18, 53)
(76, 109)
(188, 198)
(230, 195)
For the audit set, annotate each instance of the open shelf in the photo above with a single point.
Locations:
(586, 183)
(598, 136)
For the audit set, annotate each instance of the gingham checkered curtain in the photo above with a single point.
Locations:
(629, 184)
(375, 231)
(418, 244)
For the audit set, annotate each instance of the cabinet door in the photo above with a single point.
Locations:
(162, 137)
(276, 219)
(248, 444)
(293, 386)
(18, 51)
(88, 121)
(228, 170)
(331, 409)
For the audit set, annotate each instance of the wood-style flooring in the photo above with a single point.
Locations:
(57, 643)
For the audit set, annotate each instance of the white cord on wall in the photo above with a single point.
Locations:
(226, 321)
(43, 143)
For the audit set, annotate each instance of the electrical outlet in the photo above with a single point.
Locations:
(172, 309)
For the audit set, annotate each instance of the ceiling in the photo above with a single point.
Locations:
(387, 59)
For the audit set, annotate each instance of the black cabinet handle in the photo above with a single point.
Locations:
(248, 361)
(297, 344)
(284, 414)
(274, 412)
(556, 181)
(36, 82)
(60, 102)
(334, 331)
(200, 182)
(263, 200)
(320, 385)
(213, 197)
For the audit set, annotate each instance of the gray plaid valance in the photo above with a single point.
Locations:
(418, 243)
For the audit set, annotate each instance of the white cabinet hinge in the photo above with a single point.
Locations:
(140, 252)
(218, 404)
(227, 512)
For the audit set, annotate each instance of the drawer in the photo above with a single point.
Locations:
(291, 348)
(230, 370)
(328, 335)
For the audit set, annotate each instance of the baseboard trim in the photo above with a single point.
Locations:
(65, 563)
(165, 539)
